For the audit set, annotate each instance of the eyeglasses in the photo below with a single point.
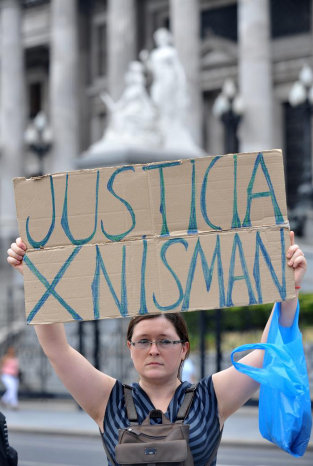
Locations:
(161, 344)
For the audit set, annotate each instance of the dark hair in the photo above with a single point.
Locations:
(176, 320)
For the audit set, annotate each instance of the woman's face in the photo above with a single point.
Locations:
(155, 362)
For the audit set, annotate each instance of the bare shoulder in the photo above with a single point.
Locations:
(97, 410)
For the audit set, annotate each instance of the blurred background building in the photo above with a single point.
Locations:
(58, 57)
(248, 69)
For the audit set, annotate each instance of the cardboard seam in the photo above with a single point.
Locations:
(174, 234)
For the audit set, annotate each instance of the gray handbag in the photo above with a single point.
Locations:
(158, 444)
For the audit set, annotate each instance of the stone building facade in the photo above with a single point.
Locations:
(58, 56)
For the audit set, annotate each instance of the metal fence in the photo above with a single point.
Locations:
(102, 342)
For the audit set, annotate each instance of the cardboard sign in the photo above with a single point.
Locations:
(173, 236)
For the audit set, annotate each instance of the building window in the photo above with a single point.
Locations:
(99, 44)
(35, 99)
(101, 49)
(295, 150)
(220, 21)
(290, 17)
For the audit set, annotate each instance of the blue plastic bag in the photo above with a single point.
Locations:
(284, 404)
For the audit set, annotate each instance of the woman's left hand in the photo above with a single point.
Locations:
(296, 260)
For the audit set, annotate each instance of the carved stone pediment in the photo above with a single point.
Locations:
(218, 51)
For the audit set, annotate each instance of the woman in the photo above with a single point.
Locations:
(158, 365)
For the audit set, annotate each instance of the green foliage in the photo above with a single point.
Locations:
(243, 319)
(306, 309)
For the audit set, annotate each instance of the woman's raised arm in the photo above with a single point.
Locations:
(88, 386)
(233, 388)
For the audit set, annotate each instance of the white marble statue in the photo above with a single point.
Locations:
(169, 92)
(133, 118)
(156, 121)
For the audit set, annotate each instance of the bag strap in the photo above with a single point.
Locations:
(130, 405)
(182, 413)
(185, 406)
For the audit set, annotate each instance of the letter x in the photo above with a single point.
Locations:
(51, 287)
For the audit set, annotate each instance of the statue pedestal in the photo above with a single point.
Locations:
(128, 155)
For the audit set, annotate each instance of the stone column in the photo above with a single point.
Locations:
(255, 75)
(121, 42)
(64, 84)
(12, 109)
(185, 25)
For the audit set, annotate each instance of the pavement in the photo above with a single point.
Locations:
(63, 417)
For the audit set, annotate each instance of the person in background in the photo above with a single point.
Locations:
(9, 366)
(189, 372)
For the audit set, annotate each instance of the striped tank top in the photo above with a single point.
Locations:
(202, 417)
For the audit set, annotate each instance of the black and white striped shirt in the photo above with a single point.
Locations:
(202, 417)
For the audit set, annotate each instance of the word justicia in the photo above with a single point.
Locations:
(196, 188)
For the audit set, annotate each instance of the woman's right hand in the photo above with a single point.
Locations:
(16, 253)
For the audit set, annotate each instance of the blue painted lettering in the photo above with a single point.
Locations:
(236, 220)
(259, 246)
(179, 286)
(39, 244)
(193, 228)
(259, 161)
(64, 219)
(51, 287)
(119, 236)
(122, 303)
(160, 166)
(245, 276)
(207, 272)
(203, 195)
(143, 305)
